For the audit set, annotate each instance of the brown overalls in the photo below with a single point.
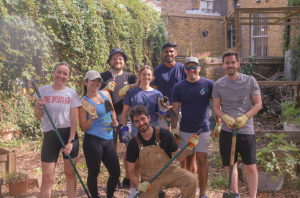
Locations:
(152, 159)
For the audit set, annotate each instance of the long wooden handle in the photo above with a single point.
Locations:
(232, 150)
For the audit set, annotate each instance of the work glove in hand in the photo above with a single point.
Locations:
(163, 105)
(193, 142)
(217, 129)
(174, 131)
(124, 90)
(144, 186)
(241, 121)
(126, 136)
(91, 110)
(229, 121)
(110, 86)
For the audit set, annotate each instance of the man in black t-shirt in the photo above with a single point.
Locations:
(154, 147)
(118, 83)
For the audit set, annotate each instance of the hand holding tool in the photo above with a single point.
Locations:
(163, 104)
(91, 110)
(217, 129)
(126, 136)
(241, 121)
(173, 158)
(61, 141)
(144, 186)
(193, 142)
(233, 144)
(110, 86)
(229, 121)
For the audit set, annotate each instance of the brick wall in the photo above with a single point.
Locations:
(275, 31)
(185, 29)
(179, 5)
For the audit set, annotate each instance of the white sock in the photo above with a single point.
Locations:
(133, 191)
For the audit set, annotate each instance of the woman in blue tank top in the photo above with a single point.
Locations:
(98, 144)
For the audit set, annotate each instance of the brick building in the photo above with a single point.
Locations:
(156, 2)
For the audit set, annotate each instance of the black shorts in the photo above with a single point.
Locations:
(118, 133)
(52, 146)
(245, 145)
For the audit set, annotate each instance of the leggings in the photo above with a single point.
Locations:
(96, 150)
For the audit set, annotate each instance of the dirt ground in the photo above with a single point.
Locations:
(28, 159)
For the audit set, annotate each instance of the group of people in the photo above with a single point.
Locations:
(119, 106)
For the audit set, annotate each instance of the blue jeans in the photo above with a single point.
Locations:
(134, 130)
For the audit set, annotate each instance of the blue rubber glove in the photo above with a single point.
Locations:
(126, 136)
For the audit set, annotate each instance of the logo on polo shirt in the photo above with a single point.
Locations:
(202, 92)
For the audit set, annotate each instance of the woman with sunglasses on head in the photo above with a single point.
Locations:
(97, 119)
(146, 96)
(62, 104)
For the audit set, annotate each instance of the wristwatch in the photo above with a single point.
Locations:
(71, 141)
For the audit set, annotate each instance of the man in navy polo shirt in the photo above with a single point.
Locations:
(194, 94)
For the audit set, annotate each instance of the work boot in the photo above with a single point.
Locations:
(203, 196)
(161, 194)
(126, 183)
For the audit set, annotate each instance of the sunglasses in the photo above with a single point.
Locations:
(188, 68)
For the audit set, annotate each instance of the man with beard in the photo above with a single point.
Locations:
(166, 76)
(194, 94)
(118, 83)
(241, 100)
(154, 147)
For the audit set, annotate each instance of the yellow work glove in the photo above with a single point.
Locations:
(174, 131)
(193, 142)
(110, 86)
(229, 121)
(124, 90)
(241, 121)
(144, 186)
(217, 129)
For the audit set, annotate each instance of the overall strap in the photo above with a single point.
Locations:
(138, 141)
(157, 135)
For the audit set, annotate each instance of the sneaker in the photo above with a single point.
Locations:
(126, 183)
(203, 196)
(197, 192)
(237, 196)
(161, 194)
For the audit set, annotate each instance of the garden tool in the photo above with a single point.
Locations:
(114, 77)
(173, 158)
(165, 102)
(108, 106)
(61, 141)
(233, 144)
(170, 128)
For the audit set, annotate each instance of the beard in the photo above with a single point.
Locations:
(232, 73)
(170, 60)
(147, 127)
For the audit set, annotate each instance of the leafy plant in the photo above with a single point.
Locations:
(15, 176)
(290, 113)
(276, 157)
(249, 67)
(8, 125)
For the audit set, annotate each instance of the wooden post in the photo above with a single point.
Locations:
(225, 33)
(12, 162)
(298, 95)
(237, 31)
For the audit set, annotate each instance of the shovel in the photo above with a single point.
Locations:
(233, 144)
(61, 141)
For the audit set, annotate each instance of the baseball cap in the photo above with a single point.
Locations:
(191, 60)
(92, 75)
(116, 50)
(168, 44)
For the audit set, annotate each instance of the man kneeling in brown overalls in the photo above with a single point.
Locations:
(154, 146)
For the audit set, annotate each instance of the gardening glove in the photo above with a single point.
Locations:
(229, 121)
(174, 132)
(91, 110)
(126, 136)
(144, 186)
(217, 129)
(110, 86)
(241, 121)
(124, 90)
(193, 142)
(163, 105)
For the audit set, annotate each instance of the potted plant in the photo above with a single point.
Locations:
(274, 161)
(17, 182)
(7, 129)
(291, 115)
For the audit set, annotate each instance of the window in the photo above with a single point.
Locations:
(259, 36)
(231, 36)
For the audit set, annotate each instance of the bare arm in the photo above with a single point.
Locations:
(217, 107)
(218, 119)
(133, 85)
(84, 123)
(175, 106)
(74, 122)
(131, 174)
(125, 114)
(182, 155)
(256, 107)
